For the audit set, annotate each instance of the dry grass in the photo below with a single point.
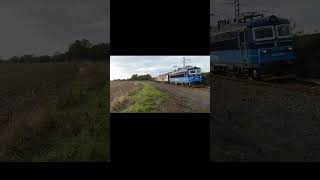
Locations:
(119, 94)
(41, 105)
(146, 99)
(134, 96)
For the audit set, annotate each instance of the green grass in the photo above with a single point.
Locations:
(89, 141)
(147, 99)
(79, 129)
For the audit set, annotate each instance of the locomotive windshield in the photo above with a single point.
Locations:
(194, 72)
(283, 31)
(263, 33)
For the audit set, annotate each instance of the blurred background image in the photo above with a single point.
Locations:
(265, 69)
(53, 73)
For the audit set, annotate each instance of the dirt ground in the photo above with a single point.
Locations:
(184, 99)
(260, 123)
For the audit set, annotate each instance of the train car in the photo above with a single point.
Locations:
(259, 47)
(163, 78)
(187, 75)
(155, 79)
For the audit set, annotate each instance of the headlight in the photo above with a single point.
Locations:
(290, 48)
(265, 51)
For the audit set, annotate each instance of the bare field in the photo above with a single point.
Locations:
(41, 107)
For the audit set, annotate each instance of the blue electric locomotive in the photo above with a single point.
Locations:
(187, 75)
(258, 47)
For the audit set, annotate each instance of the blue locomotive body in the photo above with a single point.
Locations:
(260, 47)
(187, 75)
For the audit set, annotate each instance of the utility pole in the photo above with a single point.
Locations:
(184, 62)
(236, 4)
(237, 8)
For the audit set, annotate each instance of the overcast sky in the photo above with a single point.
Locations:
(304, 13)
(123, 67)
(45, 26)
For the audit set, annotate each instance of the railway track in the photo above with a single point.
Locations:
(200, 86)
(288, 84)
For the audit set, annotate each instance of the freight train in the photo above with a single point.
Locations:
(255, 46)
(188, 75)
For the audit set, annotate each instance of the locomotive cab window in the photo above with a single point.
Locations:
(192, 72)
(263, 33)
(177, 75)
(283, 31)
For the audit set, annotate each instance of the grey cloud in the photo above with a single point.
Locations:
(43, 26)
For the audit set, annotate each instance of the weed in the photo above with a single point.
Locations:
(148, 99)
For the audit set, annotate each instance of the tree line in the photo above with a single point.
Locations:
(137, 77)
(80, 50)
